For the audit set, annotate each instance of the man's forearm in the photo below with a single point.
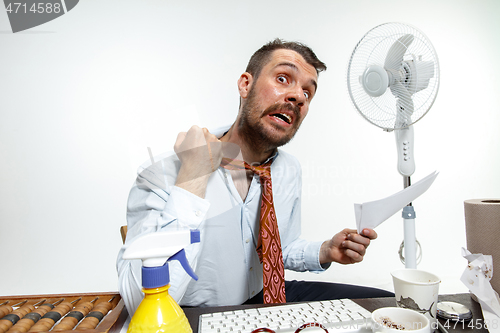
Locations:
(195, 185)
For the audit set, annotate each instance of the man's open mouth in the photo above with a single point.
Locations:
(286, 118)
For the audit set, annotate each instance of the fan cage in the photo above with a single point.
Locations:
(372, 50)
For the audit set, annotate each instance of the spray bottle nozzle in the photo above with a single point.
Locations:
(181, 257)
(157, 249)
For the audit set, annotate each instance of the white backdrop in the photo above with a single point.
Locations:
(83, 96)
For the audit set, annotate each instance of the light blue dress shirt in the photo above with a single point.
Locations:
(225, 260)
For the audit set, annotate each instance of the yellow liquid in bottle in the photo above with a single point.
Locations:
(158, 312)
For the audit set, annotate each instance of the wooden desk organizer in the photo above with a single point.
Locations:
(111, 323)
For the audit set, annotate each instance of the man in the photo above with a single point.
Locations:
(205, 187)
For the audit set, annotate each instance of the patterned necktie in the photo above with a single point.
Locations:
(269, 243)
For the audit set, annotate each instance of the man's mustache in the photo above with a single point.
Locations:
(283, 106)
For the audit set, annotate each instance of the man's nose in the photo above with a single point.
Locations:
(296, 96)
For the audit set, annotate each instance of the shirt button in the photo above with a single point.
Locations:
(197, 213)
(247, 240)
(253, 293)
(251, 269)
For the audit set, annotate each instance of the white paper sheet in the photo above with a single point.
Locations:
(477, 278)
(371, 214)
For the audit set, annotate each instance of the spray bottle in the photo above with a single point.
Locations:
(158, 311)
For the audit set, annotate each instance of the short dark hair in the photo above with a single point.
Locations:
(260, 58)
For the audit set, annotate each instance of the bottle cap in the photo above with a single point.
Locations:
(155, 277)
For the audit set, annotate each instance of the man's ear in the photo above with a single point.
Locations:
(244, 84)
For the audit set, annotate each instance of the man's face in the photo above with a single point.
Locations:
(278, 100)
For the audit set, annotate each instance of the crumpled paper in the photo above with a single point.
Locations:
(477, 278)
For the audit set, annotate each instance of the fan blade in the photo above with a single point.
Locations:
(404, 105)
(395, 55)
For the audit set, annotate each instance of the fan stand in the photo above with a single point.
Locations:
(410, 239)
(406, 167)
(410, 244)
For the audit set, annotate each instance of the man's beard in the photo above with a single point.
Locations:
(259, 137)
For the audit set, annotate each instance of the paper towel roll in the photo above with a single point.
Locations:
(482, 225)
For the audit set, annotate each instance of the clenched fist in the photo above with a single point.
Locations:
(200, 153)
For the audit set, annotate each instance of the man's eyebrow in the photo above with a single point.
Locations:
(289, 64)
(295, 68)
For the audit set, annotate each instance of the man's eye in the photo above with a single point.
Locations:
(282, 79)
(306, 94)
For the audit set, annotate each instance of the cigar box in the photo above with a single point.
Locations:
(112, 322)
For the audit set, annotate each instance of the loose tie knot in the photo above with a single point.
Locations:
(264, 171)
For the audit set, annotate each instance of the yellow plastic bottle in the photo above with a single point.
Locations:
(158, 311)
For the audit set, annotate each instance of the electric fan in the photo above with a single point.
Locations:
(393, 80)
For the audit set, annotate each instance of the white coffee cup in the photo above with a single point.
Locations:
(396, 320)
(417, 290)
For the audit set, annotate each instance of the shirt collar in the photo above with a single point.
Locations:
(272, 157)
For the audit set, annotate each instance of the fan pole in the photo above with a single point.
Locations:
(410, 239)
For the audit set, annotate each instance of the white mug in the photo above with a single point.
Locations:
(417, 290)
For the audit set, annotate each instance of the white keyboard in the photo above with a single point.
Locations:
(340, 315)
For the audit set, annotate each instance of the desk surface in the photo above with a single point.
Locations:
(476, 325)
